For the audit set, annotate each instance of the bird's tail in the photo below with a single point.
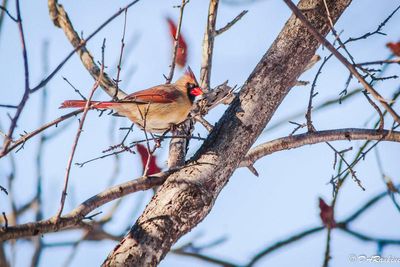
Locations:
(82, 104)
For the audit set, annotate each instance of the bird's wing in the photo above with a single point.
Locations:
(157, 94)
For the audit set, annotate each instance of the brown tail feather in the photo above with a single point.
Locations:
(82, 103)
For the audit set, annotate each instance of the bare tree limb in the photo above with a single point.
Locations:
(294, 141)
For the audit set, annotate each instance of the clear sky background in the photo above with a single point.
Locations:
(251, 213)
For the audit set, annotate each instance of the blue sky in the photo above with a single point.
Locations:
(250, 212)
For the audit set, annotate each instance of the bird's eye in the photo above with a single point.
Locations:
(190, 86)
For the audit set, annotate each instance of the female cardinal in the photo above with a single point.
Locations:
(155, 109)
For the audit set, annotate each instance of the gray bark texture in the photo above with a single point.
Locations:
(188, 195)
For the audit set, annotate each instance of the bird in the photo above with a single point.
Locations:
(156, 109)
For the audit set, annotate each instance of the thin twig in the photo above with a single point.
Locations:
(379, 62)
(25, 96)
(312, 95)
(77, 136)
(4, 10)
(176, 41)
(75, 89)
(231, 23)
(120, 56)
(7, 106)
(5, 220)
(361, 154)
(378, 29)
(128, 148)
(334, 32)
(266, 251)
(381, 118)
(349, 166)
(27, 136)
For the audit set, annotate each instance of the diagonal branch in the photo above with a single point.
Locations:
(231, 23)
(321, 39)
(77, 215)
(77, 136)
(61, 19)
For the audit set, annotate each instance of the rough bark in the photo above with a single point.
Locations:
(188, 195)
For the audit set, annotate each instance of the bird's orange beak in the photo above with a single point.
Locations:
(196, 91)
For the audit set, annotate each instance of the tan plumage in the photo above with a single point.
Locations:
(155, 109)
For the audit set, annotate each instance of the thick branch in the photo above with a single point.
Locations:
(76, 216)
(189, 194)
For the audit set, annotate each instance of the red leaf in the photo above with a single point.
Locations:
(181, 53)
(395, 48)
(326, 214)
(144, 155)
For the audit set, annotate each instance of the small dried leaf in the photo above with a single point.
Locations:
(395, 48)
(326, 214)
(181, 53)
(144, 155)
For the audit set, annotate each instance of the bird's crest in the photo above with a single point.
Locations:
(188, 77)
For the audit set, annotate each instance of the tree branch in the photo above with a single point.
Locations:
(9, 138)
(309, 138)
(321, 39)
(76, 216)
(176, 41)
(188, 195)
(60, 18)
(231, 23)
(27, 136)
(285, 143)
